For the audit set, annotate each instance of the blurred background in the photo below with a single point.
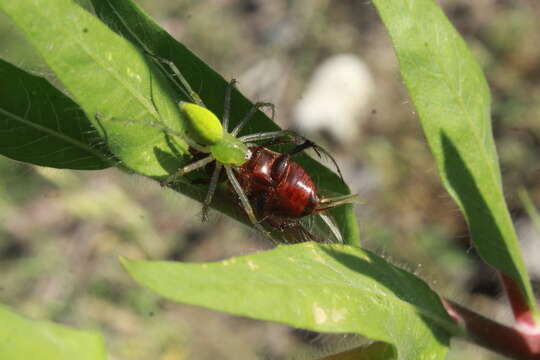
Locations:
(329, 68)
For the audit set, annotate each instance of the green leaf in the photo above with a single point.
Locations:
(452, 98)
(42, 126)
(126, 18)
(374, 351)
(530, 209)
(332, 288)
(106, 75)
(113, 79)
(22, 339)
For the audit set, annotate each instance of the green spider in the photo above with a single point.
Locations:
(242, 159)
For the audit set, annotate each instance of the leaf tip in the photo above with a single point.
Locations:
(126, 263)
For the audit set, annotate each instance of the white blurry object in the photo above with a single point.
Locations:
(336, 98)
(530, 246)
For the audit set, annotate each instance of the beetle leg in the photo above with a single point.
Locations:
(292, 230)
(332, 226)
(332, 202)
(188, 168)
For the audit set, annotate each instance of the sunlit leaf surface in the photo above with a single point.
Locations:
(322, 288)
(453, 102)
(22, 338)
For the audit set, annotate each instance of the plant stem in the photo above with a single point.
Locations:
(516, 342)
(522, 312)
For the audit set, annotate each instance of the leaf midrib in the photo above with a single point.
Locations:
(371, 291)
(469, 120)
(53, 133)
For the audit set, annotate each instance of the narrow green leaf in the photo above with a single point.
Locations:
(42, 126)
(126, 18)
(114, 80)
(22, 339)
(321, 288)
(452, 98)
(530, 209)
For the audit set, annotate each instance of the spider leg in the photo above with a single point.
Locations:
(245, 202)
(294, 138)
(227, 105)
(251, 113)
(185, 88)
(157, 125)
(141, 122)
(211, 190)
(297, 149)
(186, 169)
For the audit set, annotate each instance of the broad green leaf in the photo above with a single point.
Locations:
(128, 19)
(42, 126)
(339, 289)
(452, 98)
(114, 80)
(22, 339)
